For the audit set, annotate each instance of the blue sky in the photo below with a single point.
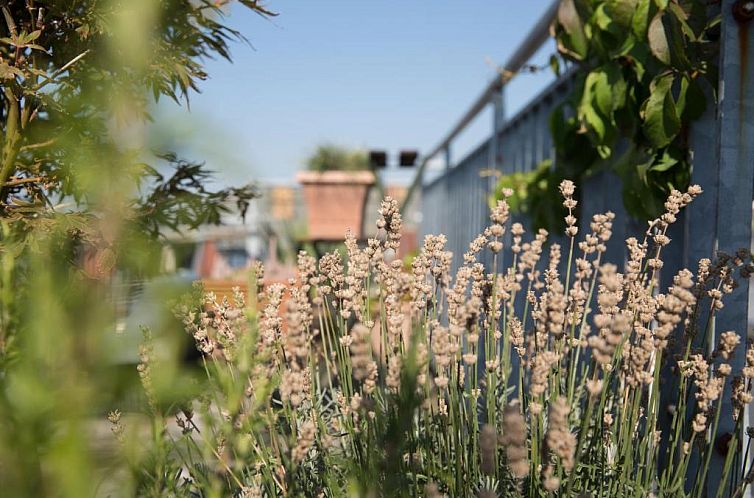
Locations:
(384, 74)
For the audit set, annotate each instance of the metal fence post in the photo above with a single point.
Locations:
(498, 118)
(735, 172)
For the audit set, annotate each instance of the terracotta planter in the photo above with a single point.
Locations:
(335, 202)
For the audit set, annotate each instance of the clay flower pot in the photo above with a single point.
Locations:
(335, 202)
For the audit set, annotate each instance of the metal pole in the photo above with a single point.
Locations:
(497, 123)
(735, 172)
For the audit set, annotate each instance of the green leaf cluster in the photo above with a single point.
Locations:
(646, 72)
(80, 212)
(74, 74)
(77, 81)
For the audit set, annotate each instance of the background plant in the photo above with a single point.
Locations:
(330, 157)
(76, 88)
(646, 70)
(82, 202)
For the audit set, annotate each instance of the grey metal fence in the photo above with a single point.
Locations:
(455, 203)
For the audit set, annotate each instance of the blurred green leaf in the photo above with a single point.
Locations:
(575, 41)
(658, 39)
(622, 11)
(691, 102)
(640, 20)
(661, 121)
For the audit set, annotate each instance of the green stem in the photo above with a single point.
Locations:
(12, 138)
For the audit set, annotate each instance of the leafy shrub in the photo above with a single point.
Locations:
(647, 71)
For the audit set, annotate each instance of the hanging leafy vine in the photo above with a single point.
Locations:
(647, 69)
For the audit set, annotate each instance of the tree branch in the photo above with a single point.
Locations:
(20, 181)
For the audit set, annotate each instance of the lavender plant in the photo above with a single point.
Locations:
(374, 379)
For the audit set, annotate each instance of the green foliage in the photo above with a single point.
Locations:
(330, 157)
(531, 193)
(645, 67)
(76, 75)
(517, 185)
(182, 200)
(541, 189)
(78, 80)
(79, 210)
